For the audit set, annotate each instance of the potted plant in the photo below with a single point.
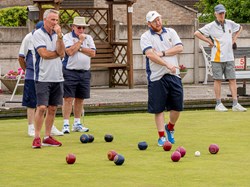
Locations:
(183, 70)
(9, 80)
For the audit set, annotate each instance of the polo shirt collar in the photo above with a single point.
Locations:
(153, 32)
(218, 23)
(74, 34)
(43, 29)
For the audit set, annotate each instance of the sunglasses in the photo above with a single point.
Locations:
(79, 27)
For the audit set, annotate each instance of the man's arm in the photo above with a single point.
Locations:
(199, 35)
(237, 34)
(152, 55)
(77, 47)
(44, 53)
(60, 48)
(87, 51)
(171, 52)
(22, 62)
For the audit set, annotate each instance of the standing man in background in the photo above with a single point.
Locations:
(222, 34)
(27, 62)
(50, 49)
(165, 92)
(80, 48)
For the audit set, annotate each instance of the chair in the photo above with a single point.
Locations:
(208, 65)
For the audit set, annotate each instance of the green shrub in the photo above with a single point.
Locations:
(18, 16)
(13, 16)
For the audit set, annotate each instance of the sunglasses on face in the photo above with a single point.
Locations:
(79, 27)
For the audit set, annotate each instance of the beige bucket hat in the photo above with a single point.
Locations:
(80, 21)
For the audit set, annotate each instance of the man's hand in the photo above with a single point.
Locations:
(82, 37)
(58, 30)
(173, 69)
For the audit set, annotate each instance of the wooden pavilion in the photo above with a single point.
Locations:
(113, 55)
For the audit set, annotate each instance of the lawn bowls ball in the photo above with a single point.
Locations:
(167, 146)
(119, 159)
(84, 138)
(176, 156)
(70, 158)
(111, 155)
(91, 138)
(108, 137)
(213, 148)
(142, 145)
(182, 150)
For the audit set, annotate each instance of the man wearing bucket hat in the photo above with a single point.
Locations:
(220, 35)
(161, 46)
(80, 48)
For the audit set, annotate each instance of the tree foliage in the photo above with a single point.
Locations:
(237, 10)
(13, 16)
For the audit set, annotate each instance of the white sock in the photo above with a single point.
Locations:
(31, 125)
(66, 122)
(77, 121)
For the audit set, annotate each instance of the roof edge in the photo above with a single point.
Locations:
(186, 7)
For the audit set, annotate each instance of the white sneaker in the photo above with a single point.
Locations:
(31, 130)
(221, 108)
(79, 128)
(65, 129)
(239, 108)
(55, 131)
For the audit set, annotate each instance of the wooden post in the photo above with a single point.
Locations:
(130, 45)
(196, 54)
(40, 3)
(110, 23)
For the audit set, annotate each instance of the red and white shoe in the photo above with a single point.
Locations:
(50, 141)
(36, 143)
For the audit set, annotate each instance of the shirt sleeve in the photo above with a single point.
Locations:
(90, 42)
(145, 43)
(175, 38)
(38, 40)
(24, 46)
(235, 26)
(205, 30)
(67, 41)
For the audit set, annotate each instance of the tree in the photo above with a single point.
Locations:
(237, 10)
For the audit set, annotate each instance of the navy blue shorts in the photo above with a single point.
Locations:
(29, 94)
(165, 94)
(76, 83)
(49, 93)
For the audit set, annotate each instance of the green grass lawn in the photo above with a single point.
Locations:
(196, 130)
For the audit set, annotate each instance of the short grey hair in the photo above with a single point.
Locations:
(48, 11)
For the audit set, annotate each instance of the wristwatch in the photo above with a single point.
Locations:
(60, 36)
(80, 49)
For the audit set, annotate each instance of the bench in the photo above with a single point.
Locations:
(114, 58)
(242, 54)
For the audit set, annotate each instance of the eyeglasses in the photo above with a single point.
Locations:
(79, 27)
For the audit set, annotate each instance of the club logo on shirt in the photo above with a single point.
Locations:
(230, 31)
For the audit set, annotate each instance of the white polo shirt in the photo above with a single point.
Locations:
(47, 70)
(166, 40)
(222, 51)
(78, 61)
(28, 52)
